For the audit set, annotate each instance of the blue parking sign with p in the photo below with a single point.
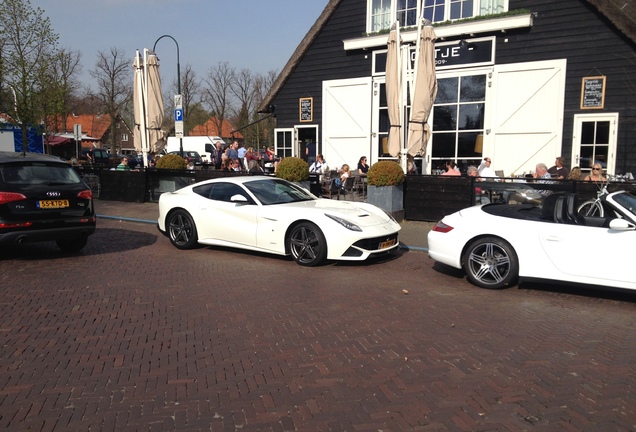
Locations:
(178, 114)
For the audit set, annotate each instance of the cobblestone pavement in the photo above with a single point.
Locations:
(135, 335)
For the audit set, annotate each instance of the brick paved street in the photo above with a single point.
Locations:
(136, 335)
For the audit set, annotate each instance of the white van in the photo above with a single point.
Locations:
(204, 145)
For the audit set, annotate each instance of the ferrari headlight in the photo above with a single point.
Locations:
(345, 223)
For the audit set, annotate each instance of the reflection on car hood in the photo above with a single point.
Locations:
(359, 213)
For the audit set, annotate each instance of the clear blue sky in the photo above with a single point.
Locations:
(249, 34)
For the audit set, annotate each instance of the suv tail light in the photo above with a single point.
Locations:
(7, 197)
(85, 194)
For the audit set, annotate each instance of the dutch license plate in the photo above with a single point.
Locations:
(387, 244)
(52, 204)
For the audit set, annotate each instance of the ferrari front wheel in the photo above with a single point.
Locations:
(181, 230)
(491, 262)
(307, 244)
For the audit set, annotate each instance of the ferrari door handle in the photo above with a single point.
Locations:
(553, 238)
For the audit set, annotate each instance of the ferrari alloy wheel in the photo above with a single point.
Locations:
(181, 230)
(491, 262)
(307, 244)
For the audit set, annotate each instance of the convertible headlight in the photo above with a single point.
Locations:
(345, 223)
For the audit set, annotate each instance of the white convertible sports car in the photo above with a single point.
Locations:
(497, 244)
(271, 215)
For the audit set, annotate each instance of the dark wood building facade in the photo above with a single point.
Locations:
(527, 80)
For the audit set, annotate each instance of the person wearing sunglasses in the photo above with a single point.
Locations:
(596, 175)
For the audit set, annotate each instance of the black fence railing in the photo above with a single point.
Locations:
(426, 198)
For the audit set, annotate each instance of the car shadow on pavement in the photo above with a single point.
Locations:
(104, 241)
(591, 292)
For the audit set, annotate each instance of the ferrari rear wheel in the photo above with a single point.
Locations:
(491, 262)
(181, 230)
(308, 245)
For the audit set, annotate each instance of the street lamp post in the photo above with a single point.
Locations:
(178, 79)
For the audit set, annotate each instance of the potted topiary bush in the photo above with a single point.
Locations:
(295, 170)
(171, 161)
(172, 183)
(385, 187)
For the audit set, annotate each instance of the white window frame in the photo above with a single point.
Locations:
(124, 137)
(480, 7)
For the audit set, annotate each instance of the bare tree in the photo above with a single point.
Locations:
(57, 97)
(217, 93)
(113, 72)
(28, 43)
(193, 113)
(262, 132)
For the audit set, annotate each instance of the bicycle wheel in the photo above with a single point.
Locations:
(591, 208)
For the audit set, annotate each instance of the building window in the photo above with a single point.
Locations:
(383, 13)
(458, 118)
(124, 137)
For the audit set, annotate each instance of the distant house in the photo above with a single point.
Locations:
(210, 128)
(97, 129)
(519, 81)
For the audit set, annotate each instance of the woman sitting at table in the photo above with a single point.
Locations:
(363, 167)
(596, 175)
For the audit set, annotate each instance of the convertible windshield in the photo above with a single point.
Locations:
(628, 201)
(275, 191)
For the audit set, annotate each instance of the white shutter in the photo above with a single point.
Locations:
(525, 120)
(346, 120)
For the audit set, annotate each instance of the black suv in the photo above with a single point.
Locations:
(42, 198)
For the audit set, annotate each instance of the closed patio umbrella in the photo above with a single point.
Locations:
(393, 87)
(139, 105)
(424, 92)
(154, 103)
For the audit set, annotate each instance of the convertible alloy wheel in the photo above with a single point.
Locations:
(491, 263)
(308, 244)
(181, 230)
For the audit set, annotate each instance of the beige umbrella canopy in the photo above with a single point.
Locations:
(154, 104)
(394, 90)
(424, 92)
(138, 104)
(148, 104)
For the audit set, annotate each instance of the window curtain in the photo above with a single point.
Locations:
(491, 7)
(380, 15)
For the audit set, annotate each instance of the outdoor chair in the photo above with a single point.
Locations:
(331, 189)
(348, 189)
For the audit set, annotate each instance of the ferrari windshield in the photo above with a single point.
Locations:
(275, 191)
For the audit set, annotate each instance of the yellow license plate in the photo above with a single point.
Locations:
(51, 204)
(387, 244)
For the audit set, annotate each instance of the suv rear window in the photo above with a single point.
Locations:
(38, 173)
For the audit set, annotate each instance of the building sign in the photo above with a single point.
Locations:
(306, 108)
(450, 55)
(593, 92)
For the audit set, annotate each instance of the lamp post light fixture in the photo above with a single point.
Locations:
(178, 80)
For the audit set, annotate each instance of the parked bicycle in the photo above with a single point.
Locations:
(594, 207)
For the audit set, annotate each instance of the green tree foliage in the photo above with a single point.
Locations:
(28, 45)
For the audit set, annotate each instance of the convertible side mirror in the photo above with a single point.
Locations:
(621, 225)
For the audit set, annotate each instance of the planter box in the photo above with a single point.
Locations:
(388, 198)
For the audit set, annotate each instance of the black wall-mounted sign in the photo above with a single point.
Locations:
(306, 108)
(593, 92)
(449, 55)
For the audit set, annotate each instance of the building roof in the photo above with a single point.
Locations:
(92, 125)
(209, 128)
(621, 13)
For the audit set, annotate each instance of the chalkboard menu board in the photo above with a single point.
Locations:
(593, 92)
(306, 109)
